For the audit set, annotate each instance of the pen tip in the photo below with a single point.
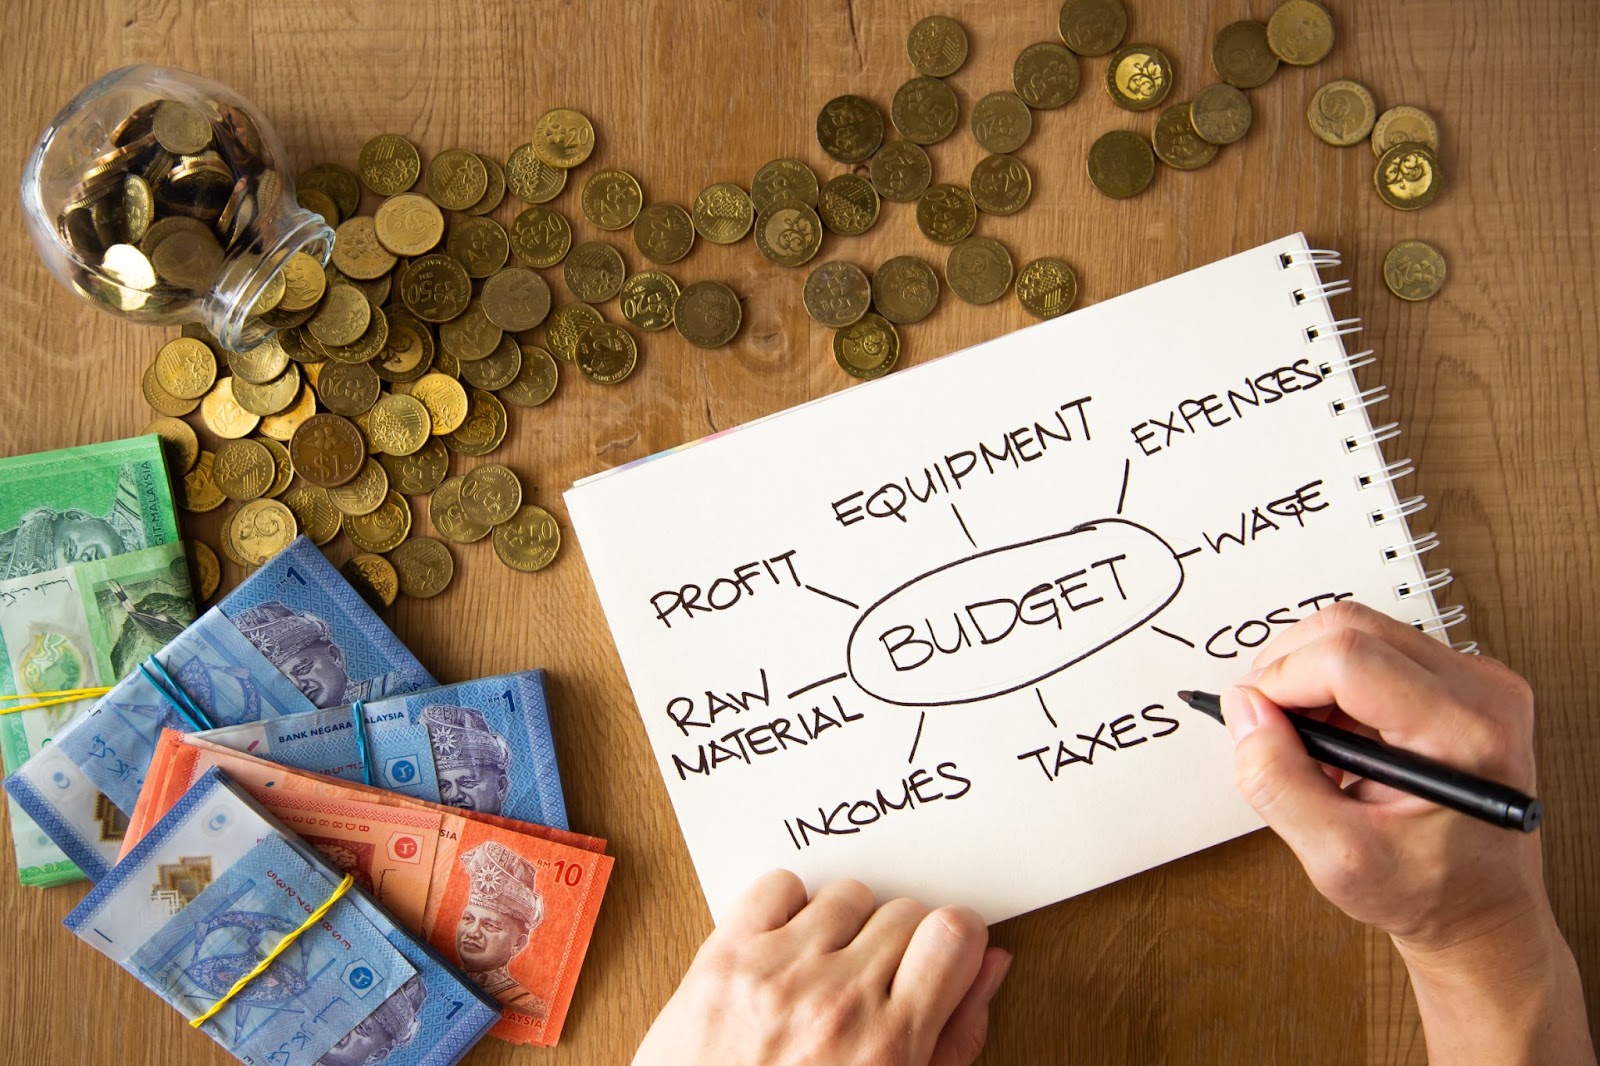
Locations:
(1184, 695)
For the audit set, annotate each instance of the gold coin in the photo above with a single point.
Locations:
(283, 468)
(607, 353)
(979, 270)
(222, 414)
(484, 428)
(536, 379)
(131, 275)
(480, 245)
(342, 318)
(179, 444)
(663, 233)
(264, 363)
(1220, 114)
(901, 172)
(611, 199)
(421, 471)
(495, 192)
(1300, 32)
(450, 518)
(594, 271)
(1413, 270)
(400, 425)
(424, 567)
(707, 314)
(205, 572)
(924, 110)
(1045, 75)
(162, 400)
(381, 530)
(1001, 123)
(229, 552)
(515, 299)
(531, 179)
(243, 469)
(338, 183)
(314, 512)
(565, 324)
(186, 368)
(491, 493)
(1241, 56)
(1121, 164)
(271, 294)
(180, 128)
(529, 541)
(783, 181)
(457, 179)
(1408, 177)
(1342, 112)
(261, 529)
(435, 288)
(937, 46)
(1176, 142)
(281, 427)
(946, 213)
(388, 164)
(849, 128)
(358, 253)
(363, 493)
(1403, 124)
(327, 450)
(905, 289)
(199, 492)
(868, 348)
(1092, 27)
(373, 577)
(837, 293)
(1001, 184)
(849, 205)
(348, 389)
(409, 224)
(409, 351)
(498, 370)
(789, 235)
(563, 138)
(540, 236)
(319, 203)
(470, 335)
(647, 298)
(1047, 287)
(445, 400)
(723, 213)
(138, 209)
(1139, 77)
(186, 260)
(365, 348)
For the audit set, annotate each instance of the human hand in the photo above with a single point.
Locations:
(835, 980)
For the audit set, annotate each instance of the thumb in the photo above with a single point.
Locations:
(964, 1034)
(1273, 773)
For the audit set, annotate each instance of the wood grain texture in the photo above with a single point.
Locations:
(1226, 956)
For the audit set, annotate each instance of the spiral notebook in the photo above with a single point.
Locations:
(928, 631)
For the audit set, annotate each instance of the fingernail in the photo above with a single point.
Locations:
(1239, 712)
(987, 994)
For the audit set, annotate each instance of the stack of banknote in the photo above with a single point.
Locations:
(92, 581)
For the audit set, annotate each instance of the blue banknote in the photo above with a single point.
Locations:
(479, 745)
(292, 637)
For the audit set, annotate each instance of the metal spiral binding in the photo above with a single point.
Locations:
(1364, 398)
(1312, 257)
(1348, 362)
(1432, 581)
(1408, 507)
(1340, 327)
(1323, 289)
(1387, 474)
(1412, 548)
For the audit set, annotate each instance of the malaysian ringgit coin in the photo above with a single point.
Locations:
(222, 414)
(283, 468)
(304, 283)
(445, 400)
(868, 348)
(924, 110)
(789, 235)
(338, 183)
(198, 491)
(540, 236)
(450, 518)
(186, 368)
(205, 572)
(265, 362)
(388, 164)
(607, 353)
(647, 298)
(271, 294)
(456, 179)
(516, 299)
(838, 293)
(901, 172)
(315, 513)
(905, 289)
(1300, 32)
(565, 324)
(280, 427)
(850, 205)
(484, 428)
(1092, 27)
(563, 137)
(273, 398)
(180, 128)
(490, 493)
(946, 213)
(1001, 123)
(381, 530)
(531, 179)
(342, 318)
(783, 181)
(259, 530)
(723, 213)
(529, 540)
(498, 369)
(348, 389)
(937, 46)
(138, 207)
(366, 347)
(1121, 163)
(408, 353)
(373, 577)
(1047, 287)
(421, 471)
(357, 252)
(178, 442)
(363, 493)
(1407, 177)
(707, 314)
(1176, 142)
(1342, 112)
(1138, 77)
(435, 288)
(611, 199)
(327, 450)
(495, 192)
(243, 469)
(594, 271)
(1220, 113)
(478, 244)
(319, 203)
(1241, 56)
(1413, 270)
(663, 233)
(536, 380)
(423, 567)
(849, 128)
(979, 270)
(1045, 75)
(1001, 184)
(1403, 124)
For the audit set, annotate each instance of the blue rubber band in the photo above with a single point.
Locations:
(359, 715)
(176, 698)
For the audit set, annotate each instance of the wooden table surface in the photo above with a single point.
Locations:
(1226, 956)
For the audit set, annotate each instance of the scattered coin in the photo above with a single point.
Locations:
(946, 213)
(1342, 113)
(1092, 27)
(423, 567)
(1220, 113)
(1176, 142)
(531, 179)
(565, 325)
(373, 577)
(707, 314)
(1241, 56)
(540, 236)
(647, 299)
(937, 46)
(490, 494)
(723, 213)
(450, 518)
(1403, 124)
(849, 128)
(783, 181)
(479, 244)
(1047, 287)
(222, 414)
(445, 400)
(186, 368)
(789, 235)
(979, 270)
(363, 493)
(205, 573)
(868, 348)
(901, 172)
(1138, 77)
(381, 530)
(259, 530)
(178, 443)
(516, 299)
(317, 517)
(1121, 164)
(664, 233)
(327, 450)
(1001, 184)
(1001, 123)
(905, 289)
(417, 473)
(837, 293)
(435, 288)
(612, 199)
(924, 110)
(1413, 270)
(594, 271)
(1300, 32)
(1407, 176)
(529, 540)
(243, 469)
(607, 353)
(198, 492)
(563, 138)
(388, 164)
(456, 179)
(1045, 75)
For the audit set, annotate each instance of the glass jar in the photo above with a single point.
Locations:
(162, 197)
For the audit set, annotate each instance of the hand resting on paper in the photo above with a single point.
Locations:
(836, 979)
(1464, 902)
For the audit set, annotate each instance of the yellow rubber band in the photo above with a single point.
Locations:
(55, 692)
(283, 945)
(60, 695)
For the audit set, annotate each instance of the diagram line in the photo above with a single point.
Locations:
(831, 596)
(1185, 555)
(963, 522)
(816, 684)
(1174, 636)
(918, 740)
(1045, 709)
(1127, 465)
